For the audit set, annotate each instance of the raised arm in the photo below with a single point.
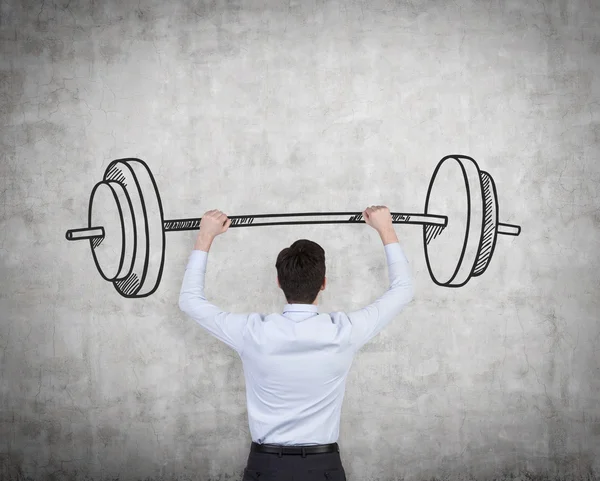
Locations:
(370, 320)
(226, 326)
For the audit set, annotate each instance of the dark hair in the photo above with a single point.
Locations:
(301, 271)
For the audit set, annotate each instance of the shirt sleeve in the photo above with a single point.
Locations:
(370, 320)
(225, 326)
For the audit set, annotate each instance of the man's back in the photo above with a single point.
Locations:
(296, 363)
(295, 367)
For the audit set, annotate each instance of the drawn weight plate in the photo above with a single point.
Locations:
(489, 230)
(451, 252)
(147, 218)
(113, 254)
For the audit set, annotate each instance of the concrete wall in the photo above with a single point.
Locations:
(253, 107)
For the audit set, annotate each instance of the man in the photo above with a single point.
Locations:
(296, 363)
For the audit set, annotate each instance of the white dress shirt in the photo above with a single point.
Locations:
(296, 363)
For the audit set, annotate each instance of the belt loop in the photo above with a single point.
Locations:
(280, 453)
(303, 452)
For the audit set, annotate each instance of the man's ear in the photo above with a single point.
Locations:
(278, 284)
(324, 283)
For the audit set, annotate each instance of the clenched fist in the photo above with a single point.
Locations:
(378, 217)
(214, 223)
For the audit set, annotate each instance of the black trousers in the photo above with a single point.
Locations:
(294, 467)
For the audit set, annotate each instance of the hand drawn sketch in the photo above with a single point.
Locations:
(462, 249)
(126, 225)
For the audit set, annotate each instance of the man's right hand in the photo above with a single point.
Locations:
(379, 217)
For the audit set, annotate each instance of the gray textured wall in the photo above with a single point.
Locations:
(254, 107)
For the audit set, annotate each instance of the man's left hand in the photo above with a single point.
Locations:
(213, 223)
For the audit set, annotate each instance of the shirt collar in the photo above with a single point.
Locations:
(300, 308)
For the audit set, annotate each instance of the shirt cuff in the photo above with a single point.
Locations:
(197, 259)
(394, 253)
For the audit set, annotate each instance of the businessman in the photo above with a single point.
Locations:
(296, 362)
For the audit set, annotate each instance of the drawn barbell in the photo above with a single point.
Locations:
(126, 226)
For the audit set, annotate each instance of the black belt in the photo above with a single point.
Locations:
(302, 450)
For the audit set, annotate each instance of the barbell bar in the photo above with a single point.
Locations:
(181, 225)
(126, 226)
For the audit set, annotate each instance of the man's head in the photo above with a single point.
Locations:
(301, 271)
